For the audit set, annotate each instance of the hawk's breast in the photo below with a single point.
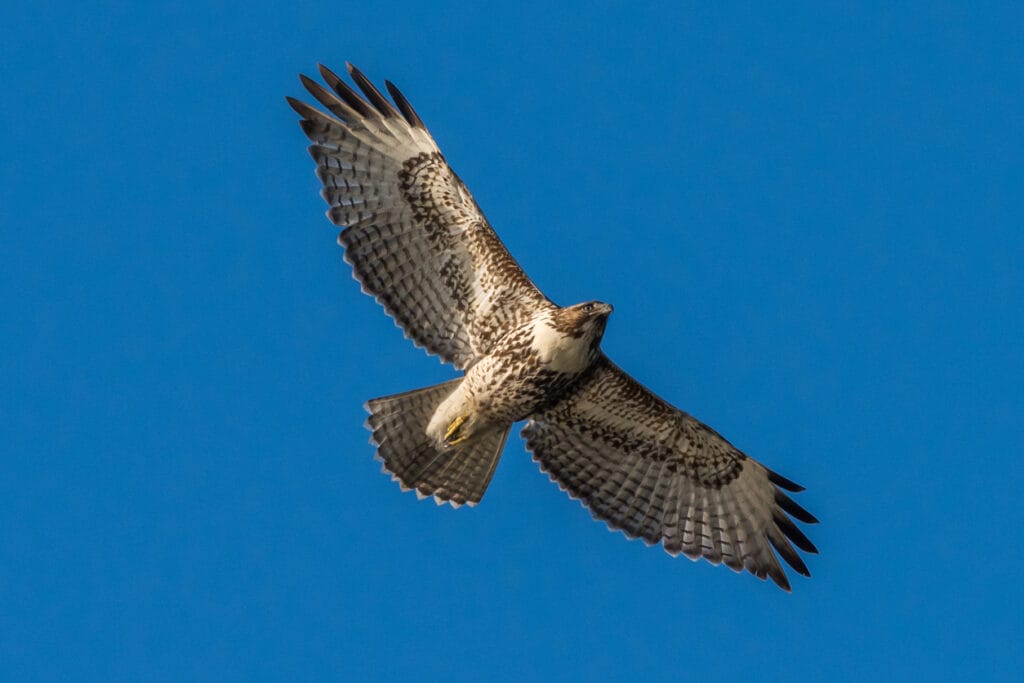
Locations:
(557, 350)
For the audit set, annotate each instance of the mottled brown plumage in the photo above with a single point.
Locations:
(418, 243)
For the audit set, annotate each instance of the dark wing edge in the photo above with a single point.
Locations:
(415, 238)
(655, 473)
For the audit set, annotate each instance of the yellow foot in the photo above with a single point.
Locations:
(450, 436)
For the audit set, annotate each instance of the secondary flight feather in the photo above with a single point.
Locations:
(419, 244)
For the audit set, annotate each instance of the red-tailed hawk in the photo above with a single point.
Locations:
(421, 246)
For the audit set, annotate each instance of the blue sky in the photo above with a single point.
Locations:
(808, 220)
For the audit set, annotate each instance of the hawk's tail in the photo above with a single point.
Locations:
(456, 474)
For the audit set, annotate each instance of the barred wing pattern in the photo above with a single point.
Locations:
(416, 239)
(656, 473)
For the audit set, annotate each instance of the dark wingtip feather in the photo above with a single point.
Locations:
(300, 107)
(312, 87)
(347, 94)
(794, 508)
(787, 553)
(328, 75)
(781, 481)
(780, 579)
(324, 97)
(375, 96)
(794, 534)
(403, 105)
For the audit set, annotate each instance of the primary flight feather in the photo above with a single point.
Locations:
(419, 244)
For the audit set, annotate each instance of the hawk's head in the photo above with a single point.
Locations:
(584, 321)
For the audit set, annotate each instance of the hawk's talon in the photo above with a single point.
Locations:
(453, 430)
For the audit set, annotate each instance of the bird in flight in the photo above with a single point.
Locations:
(419, 244)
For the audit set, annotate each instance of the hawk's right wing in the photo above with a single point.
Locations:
(656, 473)
(416, 239)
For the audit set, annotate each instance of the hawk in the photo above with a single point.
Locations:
(419, 244)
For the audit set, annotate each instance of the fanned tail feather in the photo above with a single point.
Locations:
(451, 474)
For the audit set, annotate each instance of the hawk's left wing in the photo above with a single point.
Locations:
(416, 239)
(656, 473)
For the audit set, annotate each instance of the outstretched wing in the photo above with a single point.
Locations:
(414, 236)
(658, 474)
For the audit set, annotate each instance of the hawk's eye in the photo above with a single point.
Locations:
(588, 307)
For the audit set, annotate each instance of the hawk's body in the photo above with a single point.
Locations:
(524, 370)
(419, 243)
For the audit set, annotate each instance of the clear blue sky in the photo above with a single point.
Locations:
(808, 220)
